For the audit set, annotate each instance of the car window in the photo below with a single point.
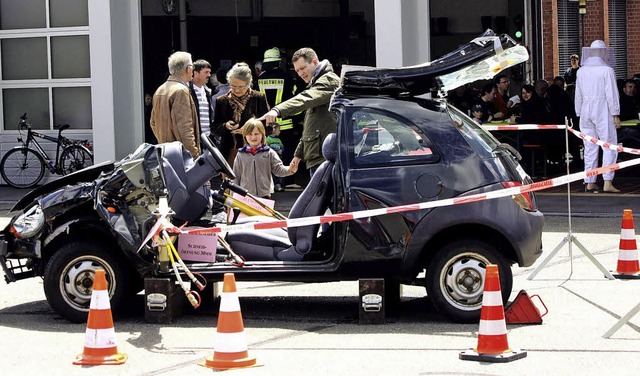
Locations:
(481, 140)
(379, 138)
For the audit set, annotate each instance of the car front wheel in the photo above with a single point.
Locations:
(455, 278)
(69, 274)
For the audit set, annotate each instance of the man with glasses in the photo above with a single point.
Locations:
(502, 97)
(174, 116)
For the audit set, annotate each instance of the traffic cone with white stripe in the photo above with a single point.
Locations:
(628, 267)
(492, 336)
(100, 338)
(230, 347)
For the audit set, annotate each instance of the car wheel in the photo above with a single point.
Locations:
(69, 274)
(455, 278)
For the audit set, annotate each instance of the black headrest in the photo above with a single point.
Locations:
(330, 147)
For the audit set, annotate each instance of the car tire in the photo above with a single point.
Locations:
(455, 278)
(68, 278)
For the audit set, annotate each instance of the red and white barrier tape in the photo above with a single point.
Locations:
(537, 186)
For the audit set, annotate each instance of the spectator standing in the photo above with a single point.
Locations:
(174, 116)
(571, 74)
(318, 120)
(255, 161)
(233, 109)
(278, 86)
(598, 106)
(201, 94)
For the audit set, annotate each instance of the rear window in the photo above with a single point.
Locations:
(481, 140)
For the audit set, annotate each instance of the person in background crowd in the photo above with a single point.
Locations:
(461, 98)
(533, 110)
(570, 75)
(233, 109)
(629, 136)
(278, 86)
(629, 104)
(256, 162)
(257, 71)
(559, 82)
(201, 94)
(322, 82)
(148, 133)
(477, 113)
(486, 101)
(174, 116)
(502, 95)
(598, 106)
(275, 143)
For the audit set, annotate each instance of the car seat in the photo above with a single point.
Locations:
(187, 195)
(294, 243)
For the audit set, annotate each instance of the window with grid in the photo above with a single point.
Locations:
(568, 33)
(44, 63)
(618, 35)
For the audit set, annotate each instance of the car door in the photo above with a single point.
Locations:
(389, 161)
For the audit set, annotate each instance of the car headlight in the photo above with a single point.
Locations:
(28, 223)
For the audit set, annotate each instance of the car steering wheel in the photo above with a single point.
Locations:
(217, 156)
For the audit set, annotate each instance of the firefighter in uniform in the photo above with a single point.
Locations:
(278, 86)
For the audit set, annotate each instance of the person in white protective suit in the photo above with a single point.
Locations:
(598, 106)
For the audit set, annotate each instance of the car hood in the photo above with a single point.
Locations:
(481, 58)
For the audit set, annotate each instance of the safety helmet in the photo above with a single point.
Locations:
(272, 54)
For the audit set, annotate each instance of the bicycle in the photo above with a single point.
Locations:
(24, 166)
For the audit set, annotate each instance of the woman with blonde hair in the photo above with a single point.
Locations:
(255, 161)
(233, 109)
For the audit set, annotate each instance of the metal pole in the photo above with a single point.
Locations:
(182, 16)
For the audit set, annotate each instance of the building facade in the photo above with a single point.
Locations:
(88, 63)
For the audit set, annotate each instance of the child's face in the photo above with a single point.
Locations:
(254, 138)
(477, 114)
(275, 131)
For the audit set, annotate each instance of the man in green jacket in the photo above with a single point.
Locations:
(318, 121)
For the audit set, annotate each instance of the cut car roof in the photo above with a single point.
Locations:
(481, 58)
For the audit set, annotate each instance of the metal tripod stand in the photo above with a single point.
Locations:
(570, 239)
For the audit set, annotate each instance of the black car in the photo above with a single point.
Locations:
(392, 147)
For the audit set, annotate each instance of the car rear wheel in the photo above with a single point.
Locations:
(69, 274)
(455, 278)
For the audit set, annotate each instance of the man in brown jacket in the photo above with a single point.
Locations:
(174, 116)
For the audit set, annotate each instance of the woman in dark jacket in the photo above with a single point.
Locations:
(534, 110)
(233, 109)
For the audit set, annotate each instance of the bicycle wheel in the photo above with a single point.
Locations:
(74, 158)
(22, 167)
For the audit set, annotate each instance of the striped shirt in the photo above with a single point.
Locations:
(203, 107)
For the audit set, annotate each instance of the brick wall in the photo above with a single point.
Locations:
(633, 36)
(595, 27)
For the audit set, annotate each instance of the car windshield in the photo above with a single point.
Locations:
(480, 139)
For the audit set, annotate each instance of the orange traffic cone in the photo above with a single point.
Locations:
(492, 335)
(230, 347)
(628, 267)
(100, 339)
